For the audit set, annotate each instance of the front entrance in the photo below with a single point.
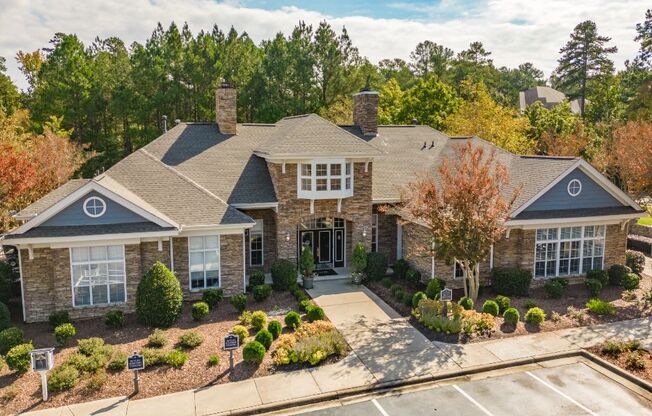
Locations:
(326, 238)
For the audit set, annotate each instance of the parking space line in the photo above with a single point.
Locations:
(562, 394)
(379, 407)
(472, 400)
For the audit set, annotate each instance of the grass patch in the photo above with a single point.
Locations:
(645, 220)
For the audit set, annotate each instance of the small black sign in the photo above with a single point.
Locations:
(446, 295)
(136, 362)
(231, 342)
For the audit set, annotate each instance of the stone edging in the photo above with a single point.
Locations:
(389, 385)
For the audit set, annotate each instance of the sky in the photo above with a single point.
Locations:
(515, 31)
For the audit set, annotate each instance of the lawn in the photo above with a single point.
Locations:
(645, 221)
(20, 393)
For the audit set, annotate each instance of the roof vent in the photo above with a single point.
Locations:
(165, 123)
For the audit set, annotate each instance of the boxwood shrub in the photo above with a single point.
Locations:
(176, 358)
(199, 310)
(274, 328)
(511, 316)
(407, 298)
(413, 276)
(9, 338)
(600, 275)
(511, 281)
(387, 282)
(535, 316)
(61, 378)
(503, 302)
(157, 339)
(159, 298)
(284, 274)
(57, 318)
(617, 274)
(18, 358)
(400, 268)
(466, 302)
(635, 260)
(262, 292)
(554, 288)
(265, 338)
(376, 266)
(594, 286)
(241, 332)
(416, 298)
(256, 278)
(190, 340)
(433, 288)
(292, 320)
(63, 333)
(239, 302)
(118, 361)
(631, 281)
(601, 307)
(315, 313)
(259, 320)
(253, 352)
(114, 319)
(491, 307)
(212, 297)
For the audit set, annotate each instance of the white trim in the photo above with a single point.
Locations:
(203, 251)
(90, 238)
(571, 182)
(378, 201)
(217, 229)
(491, 257)
(22, 285)
(171, 255)
(294, 158)
(244, 265)
(399, 240)
(601, 219)
(328, 193)
(593, 174)
(84, 190)
(262, 247)
(256, 205)
(94, 198)
(108, 291)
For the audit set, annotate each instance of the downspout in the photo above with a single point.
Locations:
(22, 286)
(171, 256)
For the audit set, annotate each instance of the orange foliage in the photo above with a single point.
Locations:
(631, 156)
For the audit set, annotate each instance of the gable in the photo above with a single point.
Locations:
(592, 195)
(74, 214)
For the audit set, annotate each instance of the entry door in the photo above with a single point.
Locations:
(339, 248)
(324, 248)
(307, 240)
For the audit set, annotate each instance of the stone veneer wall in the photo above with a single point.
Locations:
(269, 238)
(291, 210)
(387, 235)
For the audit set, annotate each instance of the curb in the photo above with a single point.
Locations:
(617, 370)
(390, 385)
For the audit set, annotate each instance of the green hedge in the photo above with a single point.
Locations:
(159, 298)
(511, 281)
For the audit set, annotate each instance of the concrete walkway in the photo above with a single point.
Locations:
(385, 348)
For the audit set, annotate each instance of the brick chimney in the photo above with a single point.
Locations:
(365, 111)
(226, 108)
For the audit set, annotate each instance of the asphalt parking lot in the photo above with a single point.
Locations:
(568, 390)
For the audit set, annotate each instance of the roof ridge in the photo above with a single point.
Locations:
(348, 132)
(184, 177)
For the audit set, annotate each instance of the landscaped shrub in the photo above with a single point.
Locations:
(157, 339)
(88, 364)
(400, 268)
(376, 266)
(600, 275)
(213, 360)
(63, 333)
(416, 298)
(359, 258)
(259, 320)
(61, 378)
(511, 316)
(212, 297)
(159, 298)
(153, 357)
(407, 299)
(239, 302)
(600, 307)
(535, 316)
(635, 260)
(253, 352)
(503, 302)
(5, 317)
(613, 347)
(466, 302)
(529, 304)
(257, 278)
(265, 338)
(6, 278)
(97, 380)
(554, 288)
(413, 276)
(398, 295)
(118, 361)
(631, 281)
(395, 288)
(199, 310)
(241, 332)
(284, 274)
(18, 358)
(190, 340)
(262, 292)
(245, 318)
(57, 318)
(315, 314)
(635, 361)
(311, 343)
(93, 346)
(491, 307)
(617, 274)
(511, 281)
(274, 328)
(292, 320)
(387, 282)
(9, 338)
(114, 319)
(433, 288)
(594, 286)
(176, 358)
(306, 304)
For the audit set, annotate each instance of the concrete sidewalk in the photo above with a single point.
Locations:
(385, 348)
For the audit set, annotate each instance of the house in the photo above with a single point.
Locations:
(548, 97)
(214, 201)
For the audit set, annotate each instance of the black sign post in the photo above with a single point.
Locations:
(446, 295)
(136, 362)
(231, 343)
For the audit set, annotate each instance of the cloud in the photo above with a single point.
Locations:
(515, 31)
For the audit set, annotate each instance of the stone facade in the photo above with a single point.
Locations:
(387, 225)
(269, 239)
(226, 109)
(356, 210)
(365, 111)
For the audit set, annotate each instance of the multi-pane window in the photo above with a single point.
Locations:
(374, 233)
(256, 244)
(567, 251)
(98, 275)
(325, 176)
(204, 262)
(458, 273)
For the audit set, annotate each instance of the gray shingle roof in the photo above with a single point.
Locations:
(78, 230)
(52, 198)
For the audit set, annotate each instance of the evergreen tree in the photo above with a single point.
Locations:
(9, 95)
(431, 58)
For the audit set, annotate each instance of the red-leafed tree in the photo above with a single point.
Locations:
(464, 207)
(630, 156)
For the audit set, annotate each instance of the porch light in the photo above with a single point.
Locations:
(287, 236)
(364, 231)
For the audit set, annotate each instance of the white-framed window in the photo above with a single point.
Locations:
(94, 207)
(325, 179)
(374, 233)
(204, 261)
(458, 273)
(98, 275)
(568, 251)
(256, 256)
(574, 187)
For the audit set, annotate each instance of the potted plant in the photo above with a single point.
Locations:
(307, 267)
(359, 263)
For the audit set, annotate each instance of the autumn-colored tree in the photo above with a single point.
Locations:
(630, 156)
(464, 207)
(481, 116)
(578, 142)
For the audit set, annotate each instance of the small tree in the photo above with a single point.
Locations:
(159, 298)
(464, 209)
(359, 258)
(306, 262)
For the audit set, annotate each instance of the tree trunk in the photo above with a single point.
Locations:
(471, 279)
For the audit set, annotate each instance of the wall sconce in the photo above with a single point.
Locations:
(364, 231)
(287, 236)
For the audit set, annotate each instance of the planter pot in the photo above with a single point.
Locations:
(357, 278)
(308, 282)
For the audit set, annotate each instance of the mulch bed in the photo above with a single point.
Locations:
(621, 361)
(156, 380)
(575, 295)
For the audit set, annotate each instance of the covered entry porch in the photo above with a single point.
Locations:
(329, 239)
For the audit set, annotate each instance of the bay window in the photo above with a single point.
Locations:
(204, 262)
(568, 251)
(325, 179)
(98, 275)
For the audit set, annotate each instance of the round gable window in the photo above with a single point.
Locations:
(94, 207)
(574, 187)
